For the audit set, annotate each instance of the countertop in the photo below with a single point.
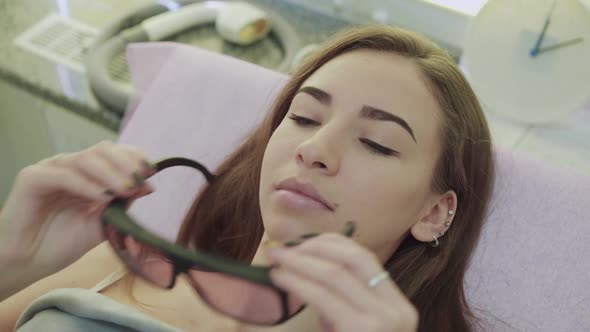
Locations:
(566, 145)
(69, 88)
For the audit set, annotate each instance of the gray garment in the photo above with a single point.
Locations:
(78, 309)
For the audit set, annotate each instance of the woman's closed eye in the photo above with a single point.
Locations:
(303, 121)
(372, 146)
(375, 147)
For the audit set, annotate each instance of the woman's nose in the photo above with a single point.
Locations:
(313, 154)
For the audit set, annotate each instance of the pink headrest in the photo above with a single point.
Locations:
(531, 270)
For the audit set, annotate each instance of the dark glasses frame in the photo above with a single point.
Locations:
(183, 259)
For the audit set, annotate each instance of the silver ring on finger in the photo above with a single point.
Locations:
(373, 282)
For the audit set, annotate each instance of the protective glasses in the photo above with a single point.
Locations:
(236, 289)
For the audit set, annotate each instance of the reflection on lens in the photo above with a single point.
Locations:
(241, 299)
(144, 260)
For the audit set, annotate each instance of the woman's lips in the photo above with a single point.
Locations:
(298, 201)
(299, 195)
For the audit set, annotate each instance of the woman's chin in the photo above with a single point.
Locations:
(285, 229)
(280, 226)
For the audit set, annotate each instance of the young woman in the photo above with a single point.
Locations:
(379, 128)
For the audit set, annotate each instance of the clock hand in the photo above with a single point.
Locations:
(535, 49)
(560, 45)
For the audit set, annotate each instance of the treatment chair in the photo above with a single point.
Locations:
(531, 269)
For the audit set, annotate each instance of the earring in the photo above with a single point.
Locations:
(435, 240)
(447, 225)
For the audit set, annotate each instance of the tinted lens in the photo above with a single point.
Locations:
(241, 299)
(146, 261)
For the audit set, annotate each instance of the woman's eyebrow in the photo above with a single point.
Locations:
(373, 113)
(367, 112)
(320, 95)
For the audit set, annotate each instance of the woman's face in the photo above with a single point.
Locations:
(362, 133)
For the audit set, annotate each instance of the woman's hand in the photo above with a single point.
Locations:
(331, 273)
(52, 215)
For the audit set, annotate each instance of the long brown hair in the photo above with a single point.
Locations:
(432, 278)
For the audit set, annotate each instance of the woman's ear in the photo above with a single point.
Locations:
(437, 218)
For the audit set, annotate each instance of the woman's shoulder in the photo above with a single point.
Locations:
(86, 272)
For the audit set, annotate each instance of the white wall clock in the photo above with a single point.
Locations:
(529, 60)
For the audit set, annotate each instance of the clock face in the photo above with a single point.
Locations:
(529, 60)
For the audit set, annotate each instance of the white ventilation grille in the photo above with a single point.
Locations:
(58, 39)
(118, 69)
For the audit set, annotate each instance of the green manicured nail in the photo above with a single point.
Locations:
(139, 180)
(149, 166)
(309, 235)
(349, 228)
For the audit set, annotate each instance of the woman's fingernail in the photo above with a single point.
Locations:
(349, 228)
(139, 179)
(136, 181)
(293, 243)
(149, 166)
(309, 235)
